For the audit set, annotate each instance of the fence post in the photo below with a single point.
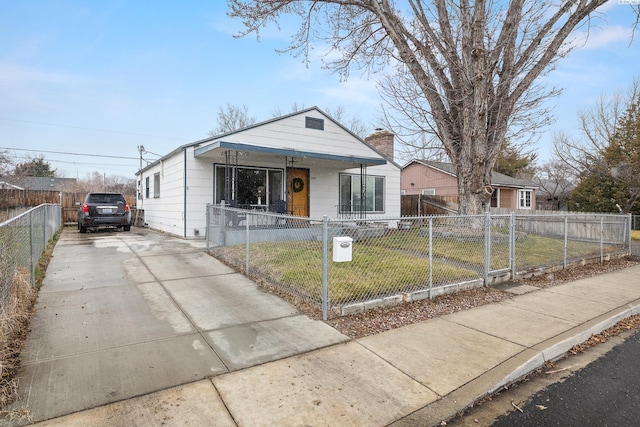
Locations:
(566, 237)
(31, 261)
(487, 247)
(325, 267)
(223, 224)
(629, 230)
(430, 257)
(206, 229)
(601, 239)
(512, 243)
(247, 236)
(43, 224)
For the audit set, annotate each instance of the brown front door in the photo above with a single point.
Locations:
(298, 191)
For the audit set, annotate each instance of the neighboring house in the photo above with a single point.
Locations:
(553, 195)
(433, 178)
(36, 183)
(305, 164)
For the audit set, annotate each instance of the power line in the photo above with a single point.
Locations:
(70, 154)
(91, 129)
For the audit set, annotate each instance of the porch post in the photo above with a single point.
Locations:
(363, 191)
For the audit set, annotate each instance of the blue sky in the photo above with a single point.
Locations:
(100, 78)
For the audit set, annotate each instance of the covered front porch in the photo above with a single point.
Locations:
(293, 182)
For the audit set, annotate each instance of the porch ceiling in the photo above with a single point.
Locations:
(272, 154)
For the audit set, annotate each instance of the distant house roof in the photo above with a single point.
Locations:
(555, 188)
(37, 183)
(497, 179)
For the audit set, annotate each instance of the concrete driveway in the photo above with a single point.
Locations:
(124, 314)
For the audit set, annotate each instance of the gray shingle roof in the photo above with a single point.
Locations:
(38, 183)
(497, 179)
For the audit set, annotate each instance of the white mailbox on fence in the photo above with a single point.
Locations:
(342, 248)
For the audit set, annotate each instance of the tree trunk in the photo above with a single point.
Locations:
(474, 188)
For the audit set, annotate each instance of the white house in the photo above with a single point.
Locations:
(304, 163)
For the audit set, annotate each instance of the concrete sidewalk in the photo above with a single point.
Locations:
(415, 375)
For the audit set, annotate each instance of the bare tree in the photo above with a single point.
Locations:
(5, 163)
(472, 66)
(277, 112)
(340, 114)
(605, 160)
(598, 126)
(352, 122)
(554, 186)
(98, 181)
(231, 118)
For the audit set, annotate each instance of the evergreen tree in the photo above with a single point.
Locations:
(512, 161)
(35, 167)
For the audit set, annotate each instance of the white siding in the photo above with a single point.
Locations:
(324, 193)
(167, 213)
(199, 193)
(291, 133)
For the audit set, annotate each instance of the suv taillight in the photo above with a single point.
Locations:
(85, 208)
(126, 207)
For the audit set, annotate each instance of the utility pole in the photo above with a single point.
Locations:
(140, 196)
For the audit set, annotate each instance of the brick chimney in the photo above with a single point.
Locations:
(381, 140)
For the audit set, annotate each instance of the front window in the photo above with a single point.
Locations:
(248, 186)
(355, 197)
(525, 199)
(156, 185)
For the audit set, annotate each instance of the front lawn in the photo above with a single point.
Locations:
(397, 262)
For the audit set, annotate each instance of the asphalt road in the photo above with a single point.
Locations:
(604, 393)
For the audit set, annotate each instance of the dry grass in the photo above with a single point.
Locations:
(15, 320)
(14, 326)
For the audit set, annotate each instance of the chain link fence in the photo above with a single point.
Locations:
(403, 259)
(23, 239)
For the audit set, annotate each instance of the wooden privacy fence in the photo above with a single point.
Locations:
(419, 205)
(14, 201)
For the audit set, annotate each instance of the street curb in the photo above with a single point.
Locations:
(513, 369)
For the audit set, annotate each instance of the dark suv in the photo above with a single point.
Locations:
(104, 210)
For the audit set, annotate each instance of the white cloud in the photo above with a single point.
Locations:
(601, 37)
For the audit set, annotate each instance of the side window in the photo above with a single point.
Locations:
(525, 199)
(146, 188)
(156, 185)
